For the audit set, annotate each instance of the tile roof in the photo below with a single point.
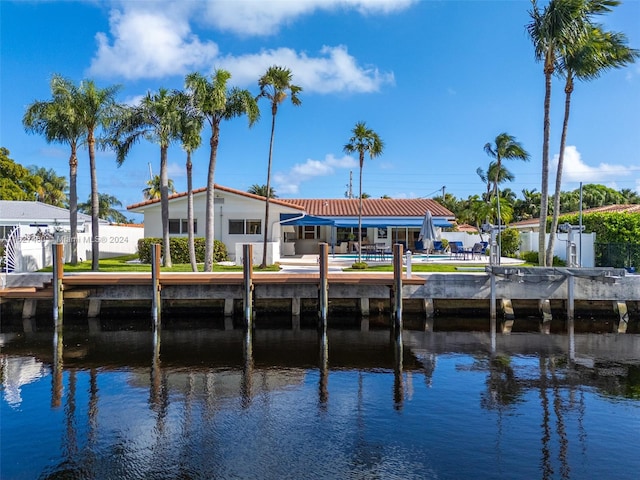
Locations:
(371, 207)
(331, 207)
(631, 208)
(216, 188)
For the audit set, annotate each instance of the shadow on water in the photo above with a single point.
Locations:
(185, 401)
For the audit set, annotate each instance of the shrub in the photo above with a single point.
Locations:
(510, 242)
(445, 244)
(532, 257)
(360, 266)
(180, 249)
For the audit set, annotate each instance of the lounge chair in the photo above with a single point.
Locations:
(437, 247)
(456, 250)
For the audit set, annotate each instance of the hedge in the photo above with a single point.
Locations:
(611, 227)
(180, 249)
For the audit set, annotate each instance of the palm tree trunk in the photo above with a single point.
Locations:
(164, 206)
(95, 206)
(568, 89)
(360, 210)
(209, 234)
(192, 248)
(73, 204)
(544, 190)
(266, 206)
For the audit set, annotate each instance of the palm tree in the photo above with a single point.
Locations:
(190, 129)
(505, 147)
(262, 191)
(363, 140)
(274, 85)
(491, 175)
(156, 118)
(52, 188)
(106, 210)
(594, 52)
(57, 121)
(561, 22)
(154, 188)
(214, 102)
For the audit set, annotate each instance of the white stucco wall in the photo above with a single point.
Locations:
(229, 206)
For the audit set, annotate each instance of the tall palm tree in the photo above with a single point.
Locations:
(262, 191)
(53, 188)
(190, 130)
(156, 118)
(594, 52)
(106, 208)
(505, 148)
(363, 140)
(559, 23)
(56, 120)
(214, 102)
(154, 187)
(275, 85)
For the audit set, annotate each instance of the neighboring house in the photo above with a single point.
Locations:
(296, 225)
(533, 224)
(28, 228)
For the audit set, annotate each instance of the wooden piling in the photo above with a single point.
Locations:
(247, 276)
(323, 286)
(570, 303)
(156, 302)
(492, 308)
(58, 293)
(397, 285)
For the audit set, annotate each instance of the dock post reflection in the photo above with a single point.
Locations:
(57, 367)
(492, 313)
(323, 390)
(156, 371)
(58, 273)
(398, 381)
(246, 383)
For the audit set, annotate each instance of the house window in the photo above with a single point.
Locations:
(180, 226)
(309, 232)
(242, 227)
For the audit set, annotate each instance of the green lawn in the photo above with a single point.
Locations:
(120, 264)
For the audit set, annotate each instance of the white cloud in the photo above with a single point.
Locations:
(149, 45)
(258, 17)
(575, 170)
(289, 182)
(155, 40)
(333, 71)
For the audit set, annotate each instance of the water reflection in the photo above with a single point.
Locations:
(171, 403)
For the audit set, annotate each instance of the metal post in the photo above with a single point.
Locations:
(409, 256)
(397, 285)
(323, 287)
(247, 274)
(58, 289)
(156, 303)
(570, 304)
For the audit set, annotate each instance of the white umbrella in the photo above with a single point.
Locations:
(427, 231)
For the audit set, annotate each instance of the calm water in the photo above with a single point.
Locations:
(298, 404)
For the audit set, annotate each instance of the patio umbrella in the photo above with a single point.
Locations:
(427, 231)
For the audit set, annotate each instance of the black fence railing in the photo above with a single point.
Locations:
(618, 255)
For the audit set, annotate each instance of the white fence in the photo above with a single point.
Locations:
(529, 242)
(33, 253)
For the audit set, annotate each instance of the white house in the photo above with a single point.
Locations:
(296, 226)
(28, 228)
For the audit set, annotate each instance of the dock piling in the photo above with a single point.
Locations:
(323, 260)
(397, 285)
(58, 294)
(247, 275)
(156, 302)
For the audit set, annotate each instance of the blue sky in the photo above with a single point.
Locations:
(435, 79)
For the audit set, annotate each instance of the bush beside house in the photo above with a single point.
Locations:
(180, 249)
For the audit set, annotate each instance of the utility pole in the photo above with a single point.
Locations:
(349, 192)
(443, 197)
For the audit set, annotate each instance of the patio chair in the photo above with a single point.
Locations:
(438, 247)
(477, 251)
(456, 250)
